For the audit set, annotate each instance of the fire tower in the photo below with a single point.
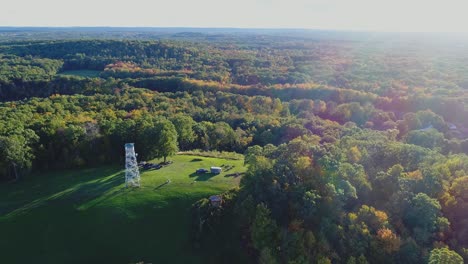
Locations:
(132, 174)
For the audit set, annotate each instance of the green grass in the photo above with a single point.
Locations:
(88, 216)
(82, 73)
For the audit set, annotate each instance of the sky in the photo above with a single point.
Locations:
(374, 15)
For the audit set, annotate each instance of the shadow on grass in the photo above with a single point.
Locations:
(92, 193)
(161, 185)
(74, 188)
(235, 174)
(202, 176)
(196, 160)
(62, 234)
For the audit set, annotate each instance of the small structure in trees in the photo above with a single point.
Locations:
(216, 200)
(426, 128)
(452, 126)
(132, 174)
(216, 170)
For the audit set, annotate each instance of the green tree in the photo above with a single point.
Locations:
(266, 257)
(16, 154)
(264, 229)
(221, 136)
(167, 139)
(422, 216)
(428, 138)
(184, 127)
(252, 153)
(201, 140)
(444, 256)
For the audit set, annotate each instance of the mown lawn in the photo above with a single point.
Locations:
(88, 216)
(82, 73)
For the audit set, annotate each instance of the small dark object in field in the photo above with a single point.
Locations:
(235, 174)
(162, 184)
(202, 171)
(148, 165)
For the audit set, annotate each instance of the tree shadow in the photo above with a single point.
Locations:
(93, 193)
(196, 160)
(74, 189)
(202, 176)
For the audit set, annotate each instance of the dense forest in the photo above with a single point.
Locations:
(357, 148)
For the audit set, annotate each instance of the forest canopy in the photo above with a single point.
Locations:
(356, 149)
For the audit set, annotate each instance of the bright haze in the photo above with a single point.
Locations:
(378, 15)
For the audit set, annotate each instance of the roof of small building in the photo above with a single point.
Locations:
(426, 128)
(452, 126)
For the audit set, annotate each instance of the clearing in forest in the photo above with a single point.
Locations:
(88, 216)
(82, 73)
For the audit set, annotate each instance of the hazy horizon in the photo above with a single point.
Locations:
(359, 15)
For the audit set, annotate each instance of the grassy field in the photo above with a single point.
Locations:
(88, 216)
(82, 73)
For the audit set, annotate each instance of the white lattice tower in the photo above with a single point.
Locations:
(132, 174)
